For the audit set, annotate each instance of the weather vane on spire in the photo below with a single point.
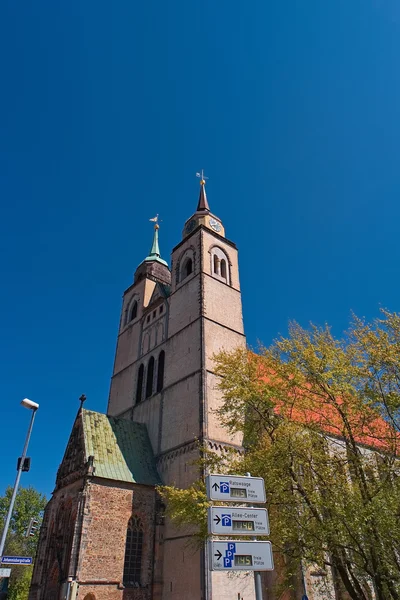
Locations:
(202, 177)
(155, 221)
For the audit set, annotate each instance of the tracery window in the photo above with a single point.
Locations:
(133, 553)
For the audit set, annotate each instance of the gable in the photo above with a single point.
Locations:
(74, 460)
(161, 291)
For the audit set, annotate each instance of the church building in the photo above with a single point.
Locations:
(104, 535)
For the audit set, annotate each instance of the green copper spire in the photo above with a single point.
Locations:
(155, 254)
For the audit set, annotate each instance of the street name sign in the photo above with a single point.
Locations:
(5, 572)
(240, 556)
(16, 560)
(224, 520)
(236, 489)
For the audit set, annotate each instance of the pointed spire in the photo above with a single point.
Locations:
(155, 254)
(202, 205)
(155, 248)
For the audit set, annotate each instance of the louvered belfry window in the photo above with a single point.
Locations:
(133, 553)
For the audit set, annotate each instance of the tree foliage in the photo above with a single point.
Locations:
(320, 422)
(29, 504)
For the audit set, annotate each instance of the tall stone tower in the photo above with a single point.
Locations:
(172, 322)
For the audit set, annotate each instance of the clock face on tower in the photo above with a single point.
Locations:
(190, 226)
(214, 224)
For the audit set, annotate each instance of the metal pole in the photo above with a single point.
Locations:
(257, 584)
(257, 574)
(16, 484)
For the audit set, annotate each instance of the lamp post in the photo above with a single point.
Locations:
(33, 406)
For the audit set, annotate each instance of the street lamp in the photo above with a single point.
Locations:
(33, 406)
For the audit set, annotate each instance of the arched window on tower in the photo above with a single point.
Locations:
(223, 268)
(160, 371)
(216, 264)
(139, 385)
(150, 375)
(187, 268)
(133, 311)
(220, 265)
(133, 553)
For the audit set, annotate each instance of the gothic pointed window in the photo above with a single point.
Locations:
(139, 384)
(160, 371)
(133, 553)
(150, 375)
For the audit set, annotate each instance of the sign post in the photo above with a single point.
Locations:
(244, 490)
(233, 555)
(224, 520)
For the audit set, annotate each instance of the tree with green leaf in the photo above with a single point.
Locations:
(29, 504)
(320, 423)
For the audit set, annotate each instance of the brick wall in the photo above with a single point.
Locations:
(94, 555)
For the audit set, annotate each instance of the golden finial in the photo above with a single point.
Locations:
(202, 177)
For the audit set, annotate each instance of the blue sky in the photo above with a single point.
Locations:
(109, 109)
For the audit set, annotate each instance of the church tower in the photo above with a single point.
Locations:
(172, 322)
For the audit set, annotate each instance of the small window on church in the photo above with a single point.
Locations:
(148, 319)
(133, 553)
(223, 268)
(216, 264)
(139, 385)
(219, 264)
(187, 268)
(160, 371)
(161, 308)
(133, 313)
(150, 375)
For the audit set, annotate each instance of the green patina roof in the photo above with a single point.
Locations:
(121, 449)
(155, 254)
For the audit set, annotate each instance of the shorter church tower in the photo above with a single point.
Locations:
(143, 325)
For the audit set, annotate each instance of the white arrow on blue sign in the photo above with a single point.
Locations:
(16, 560)
(224, 520)
(227, 488)
(240, 556)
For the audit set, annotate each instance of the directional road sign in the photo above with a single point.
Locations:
(5, 572)
(223, 520)
(16, 560)
(236, 489)
(241, 556)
